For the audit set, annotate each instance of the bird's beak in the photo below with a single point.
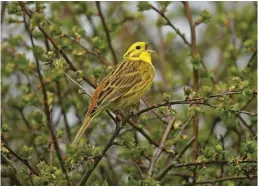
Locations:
(146, 47)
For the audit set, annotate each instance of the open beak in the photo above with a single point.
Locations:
(146, 48)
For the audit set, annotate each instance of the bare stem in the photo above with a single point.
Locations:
(58, 87)
(195, 164)
(195, 77)
(171, 25)
(221, 180)
(24, 161)
(159, 150)
(107, 32)
(99, 158)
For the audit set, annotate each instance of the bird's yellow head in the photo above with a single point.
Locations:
(138, 51)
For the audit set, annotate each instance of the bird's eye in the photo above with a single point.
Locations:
(138, 47)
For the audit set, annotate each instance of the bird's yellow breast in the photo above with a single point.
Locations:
(135, 93)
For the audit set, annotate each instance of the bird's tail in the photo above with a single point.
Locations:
(86, 122)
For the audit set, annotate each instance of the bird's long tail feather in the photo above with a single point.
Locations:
(85, 125)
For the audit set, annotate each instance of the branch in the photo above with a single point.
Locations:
(83, 90)
(63, 110)
(171, 25)
(177, 157)
(221, 180)
(145, 134)
(159, 150)
(24, 161)
(181, 153)
(195, 77)
(195, 164)
(199, 100)
(249, 127)
(45, 102)
(107, 32)
(98, 159)
(232, 110)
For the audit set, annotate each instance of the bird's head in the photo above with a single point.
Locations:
(138, 51)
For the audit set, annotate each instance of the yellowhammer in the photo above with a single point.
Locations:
(123, 86)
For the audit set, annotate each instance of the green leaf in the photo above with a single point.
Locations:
(143, 6)
(14, 8)
(99, 43)
(205, 16)
(25, 152)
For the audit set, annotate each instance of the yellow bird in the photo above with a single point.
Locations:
(123, 86)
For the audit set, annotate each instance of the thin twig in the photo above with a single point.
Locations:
(83, 90)
(199, 100)
(246, 125)
(107, 32)
(212, 182)
(99, 158)
(171, 25)
(181, 153)
(232, 110)
(69, 135)
(159, 150)
(24, 161)
(195, 77)
(195, 164)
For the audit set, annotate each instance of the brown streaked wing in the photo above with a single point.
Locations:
(118, 83)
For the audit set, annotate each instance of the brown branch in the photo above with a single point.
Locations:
(83, 90)
(29, 127)
(3, 8)
(177, 157)
(246, 125)
(232, 110)
(195, 164)
(195, 77)
(159, 150)
(221, 180)
(106, 31)
(171, 25)
(181, 153)
(24, 161)
(99, 158)
(199, 100)
(142, 131)
(45, 102)
(63, 110)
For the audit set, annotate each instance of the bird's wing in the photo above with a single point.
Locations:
(116, 84)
